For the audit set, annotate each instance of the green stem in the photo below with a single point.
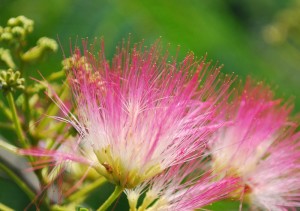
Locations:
(5, 110)
(118, 190)
(15, 118)
(6, 125)
(84, 191)
(26, 96)
(52, 109)
(18, 181)
(58, 131)
(57, 207)
(8, 147)
(4, 207)
(27, 109)
(56, 75)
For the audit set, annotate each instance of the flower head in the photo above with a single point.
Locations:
(275, 183)
(140, 114)
(181, 187)
(262, 147)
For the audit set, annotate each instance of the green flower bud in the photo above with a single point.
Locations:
(19, 32)
(32, 54)
(7, 29)
(12, 22)
(23, 22)
(27, 23)
(6, 37)
(6, 57)
(76, 62)
(17, 75)
(67, 64)
(47, 44)
(44, 45)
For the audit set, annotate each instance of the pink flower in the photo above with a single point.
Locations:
(262, 147)
(275, 183)
(140, 114)
(181, 187)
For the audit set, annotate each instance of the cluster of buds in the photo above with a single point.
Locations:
(13, 38)
(15, 34)
(76, 61)
(10, 80)
(84, 67)
(44, 45)
(16, 30)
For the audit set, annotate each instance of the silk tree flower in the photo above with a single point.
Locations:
(181, 187)
(140, 114)
(261, 147)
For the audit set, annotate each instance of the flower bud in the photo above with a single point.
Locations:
(47, 44)
(23, 22)
(19, 32)
(44, 45)
(12, 22)
(6, 57)
(6, 37)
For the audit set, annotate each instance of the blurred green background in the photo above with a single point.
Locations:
(260, 38)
